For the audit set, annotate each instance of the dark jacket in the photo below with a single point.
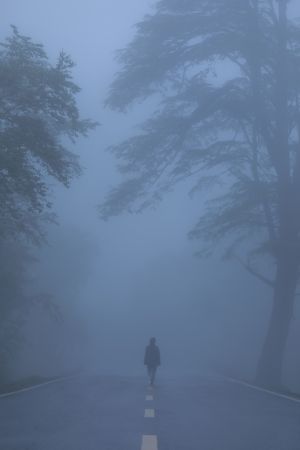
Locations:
(152, 356)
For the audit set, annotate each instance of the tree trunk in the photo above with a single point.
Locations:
(270, 365)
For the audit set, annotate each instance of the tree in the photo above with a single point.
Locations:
(38, 115)
(227, 72)
(38, 111)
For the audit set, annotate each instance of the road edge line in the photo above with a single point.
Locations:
(36, 386)
(267, 391)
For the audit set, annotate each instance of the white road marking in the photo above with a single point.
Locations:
(149, 442)
(149, 398)
(36, 386)
(267, 391)
(149, 413)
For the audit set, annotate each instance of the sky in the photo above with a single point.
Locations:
(121, 281)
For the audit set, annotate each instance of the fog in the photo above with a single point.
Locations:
(118, 282)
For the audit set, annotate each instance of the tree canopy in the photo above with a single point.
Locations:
(38, 113)
(39, 118)
(217, 65)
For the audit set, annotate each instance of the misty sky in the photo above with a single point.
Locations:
(141, 277)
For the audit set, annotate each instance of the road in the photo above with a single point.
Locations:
(108, 413)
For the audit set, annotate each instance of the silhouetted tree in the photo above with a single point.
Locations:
(228, 72)
(38, 114)
(37, 110)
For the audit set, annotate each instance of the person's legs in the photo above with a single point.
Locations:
(152, 376)
(149, 370)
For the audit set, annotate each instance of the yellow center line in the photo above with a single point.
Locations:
(149, 442)
(149, 413)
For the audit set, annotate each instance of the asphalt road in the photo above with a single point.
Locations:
(108, 413)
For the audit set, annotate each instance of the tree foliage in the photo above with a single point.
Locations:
(38, 116)
(38, 111)
(218, 67)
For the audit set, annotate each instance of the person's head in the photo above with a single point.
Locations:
(152, 341)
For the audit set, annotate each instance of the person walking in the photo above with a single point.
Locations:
(152, 359)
